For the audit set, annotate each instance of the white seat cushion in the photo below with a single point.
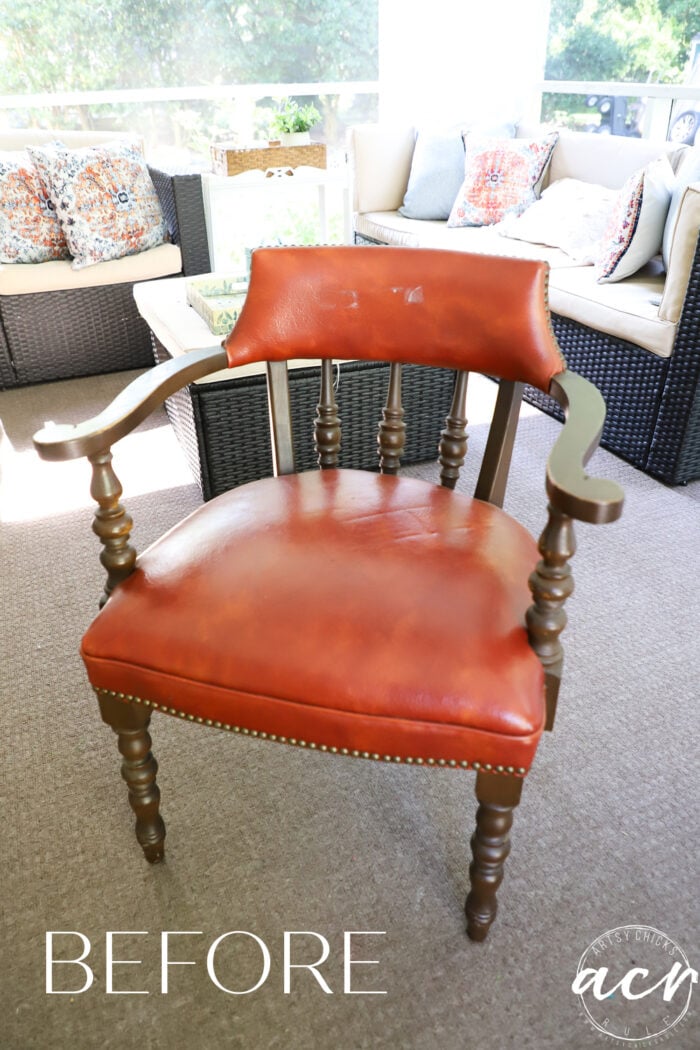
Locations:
(162, 261)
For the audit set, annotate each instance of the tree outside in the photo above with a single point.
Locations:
(618, 40)
(68, 45)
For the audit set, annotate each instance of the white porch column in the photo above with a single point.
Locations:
(442, 61)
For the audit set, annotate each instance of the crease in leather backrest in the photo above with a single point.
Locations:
(428, 306)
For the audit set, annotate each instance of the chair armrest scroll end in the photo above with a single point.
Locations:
(571, 490)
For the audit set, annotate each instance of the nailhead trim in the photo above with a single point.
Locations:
(442, 763)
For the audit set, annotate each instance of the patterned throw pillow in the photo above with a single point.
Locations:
(104, 199)
(636, 225)
(500, 176)
(29, 228)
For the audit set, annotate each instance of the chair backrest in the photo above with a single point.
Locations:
(400, 305)
(451, 309)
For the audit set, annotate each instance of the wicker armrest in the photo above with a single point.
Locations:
(570, 489)
(180, 197)
(129, 408)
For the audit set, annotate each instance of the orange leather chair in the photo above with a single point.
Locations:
(362, 614)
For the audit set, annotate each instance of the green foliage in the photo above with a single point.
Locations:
(71, 45)
(291, 117)
(618, 40)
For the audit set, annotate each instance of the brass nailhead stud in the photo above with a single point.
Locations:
(376, 757)
(464, 765)
(441, 762)
(419, 761)
(409, 761)
(499, 769)
(510, 769)
(431, 761)
(488, 766)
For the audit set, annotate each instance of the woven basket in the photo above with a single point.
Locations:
(228, 159)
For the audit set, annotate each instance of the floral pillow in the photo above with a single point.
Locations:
(500, 176)
(29, 228)
(104, 198)
(636, 225)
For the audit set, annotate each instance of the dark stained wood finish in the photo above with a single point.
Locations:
(493, 476)
(498, 796)
(130, 723)
(551, 584)
(392, 429)
(570, 489)
(112, 524)
(327, 434)
(281, 435)
(453, 439)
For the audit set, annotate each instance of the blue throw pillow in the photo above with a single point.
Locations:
(437, 170)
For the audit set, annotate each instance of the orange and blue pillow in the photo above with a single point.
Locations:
(30, 231)
(104, 198)
(500, 176)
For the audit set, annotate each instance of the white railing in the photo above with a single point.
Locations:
(251, 92)
(660, 98)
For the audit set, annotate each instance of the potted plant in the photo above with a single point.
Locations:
(292, 122)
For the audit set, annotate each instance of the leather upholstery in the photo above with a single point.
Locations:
(345, 609)
(452, 309)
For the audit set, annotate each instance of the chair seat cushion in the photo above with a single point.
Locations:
(343, 610)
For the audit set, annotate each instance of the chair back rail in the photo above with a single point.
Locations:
(449, 309)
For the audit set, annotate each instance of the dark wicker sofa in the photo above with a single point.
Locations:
(70, 332)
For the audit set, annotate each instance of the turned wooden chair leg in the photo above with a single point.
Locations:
(498, 796)
(139, 768)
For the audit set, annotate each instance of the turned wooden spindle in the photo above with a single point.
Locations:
(139, 768)
(112, 524)
(498, 796)
(551, 584)
(453, 439)
(391, 435)
(327, 434)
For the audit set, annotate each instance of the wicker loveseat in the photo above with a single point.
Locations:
(638, 339)
(57, 323)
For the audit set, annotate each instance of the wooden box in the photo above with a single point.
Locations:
(230, 159)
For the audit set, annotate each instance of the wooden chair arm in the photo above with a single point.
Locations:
(129, 408)
(570, 489)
